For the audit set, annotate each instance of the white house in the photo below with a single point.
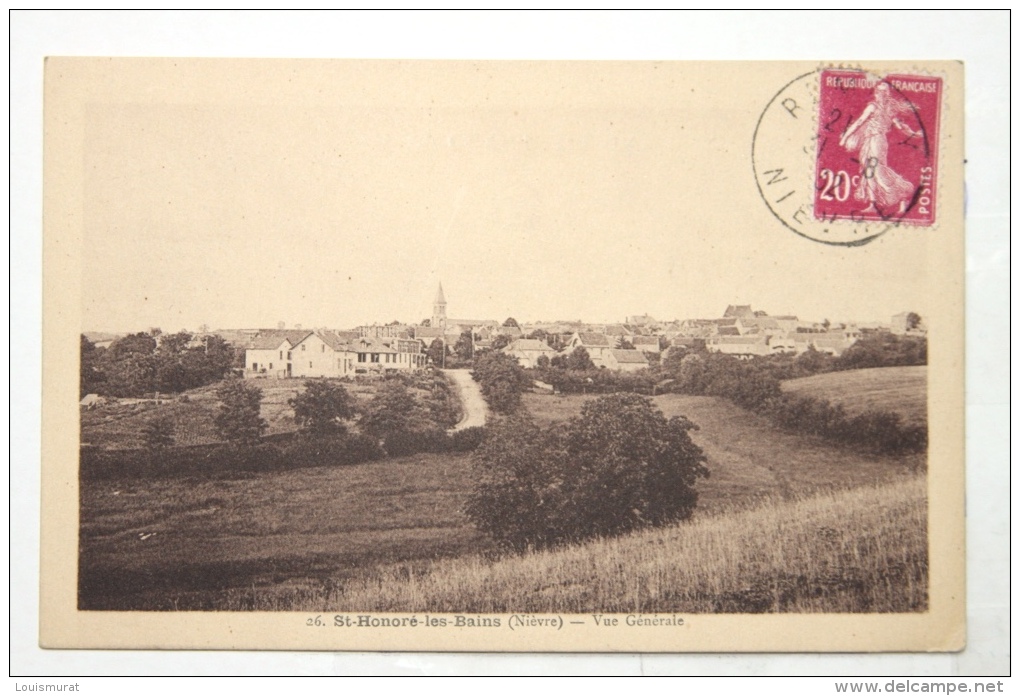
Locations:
(270, 353)
(596, 344)
(379, 355)
(322, 354)
(527, 351)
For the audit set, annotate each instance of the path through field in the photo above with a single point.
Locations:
(475, 409)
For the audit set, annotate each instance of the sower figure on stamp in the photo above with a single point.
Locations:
(881, 187)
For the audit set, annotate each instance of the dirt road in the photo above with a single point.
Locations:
(476, 411)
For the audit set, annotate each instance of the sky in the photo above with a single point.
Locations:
(243, 195)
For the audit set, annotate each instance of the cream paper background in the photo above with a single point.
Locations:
(728, 633)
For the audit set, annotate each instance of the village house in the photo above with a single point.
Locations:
(643, 320)
(395, 330)
(379, 355)
(734, 311)
(697, 328)
(646, 344)
(427, 334)
(782, 344)
(527, 351)
(322, 354)
(821, 342)
(625, 360)
(743, 347)
(787, 322)
(596, 344)
(269, 353)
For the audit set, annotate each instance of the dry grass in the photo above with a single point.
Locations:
(860, 550)
(902, 390)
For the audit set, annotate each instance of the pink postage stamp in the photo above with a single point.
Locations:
(877, 147)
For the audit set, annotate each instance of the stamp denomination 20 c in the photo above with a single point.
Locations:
(877, 147)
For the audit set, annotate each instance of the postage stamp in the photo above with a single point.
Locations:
(877, 147)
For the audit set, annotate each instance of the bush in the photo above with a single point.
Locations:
(401, 443)
(621, 465)
(502, 381)
(331, 450)
(392, 409)
(323, 407)
(158, 432)
(238, 421)
(466, 440)
(516, 497)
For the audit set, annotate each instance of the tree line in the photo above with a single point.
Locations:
(333, 429)
(755, 385)
(141, 364)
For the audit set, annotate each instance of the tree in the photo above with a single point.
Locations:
(464, 348)
(501, 341)
(397, 418)
(502, 379)
(579, 360)
(510, 321)
(435, 351)
(158, 433)
(623, 343)
(620, 466)
(129, 366)
(90, 372)
(812, 361)
(516, 494)
(239, 421)
(692, 374)
(633, 467)
(543, 361)
(672, 358)
(171, 375)
(322, 408)
(392, 409)
(913, 320)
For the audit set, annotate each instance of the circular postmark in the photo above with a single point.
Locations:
(843, 156)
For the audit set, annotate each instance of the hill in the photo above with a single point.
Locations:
(186, 543)
(293, 540)
(120, 423)
(902, 390)
(860, 550)
(748, 458)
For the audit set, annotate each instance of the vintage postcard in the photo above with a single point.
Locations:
(709, 396)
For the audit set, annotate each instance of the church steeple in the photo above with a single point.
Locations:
(439, 309)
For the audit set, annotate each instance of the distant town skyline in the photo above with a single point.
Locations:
(263, 199)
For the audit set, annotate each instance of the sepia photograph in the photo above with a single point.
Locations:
(468, 355)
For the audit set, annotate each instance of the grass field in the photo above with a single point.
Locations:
(119, 425)
(189, 543)
(902, 390)
(859, 550)
(749, 460)
(300, 539)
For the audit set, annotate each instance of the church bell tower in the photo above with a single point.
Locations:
(439, 309)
